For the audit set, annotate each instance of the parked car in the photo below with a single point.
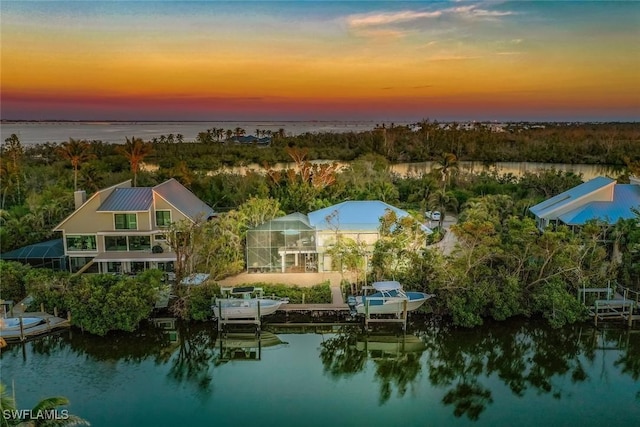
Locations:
(435, 216)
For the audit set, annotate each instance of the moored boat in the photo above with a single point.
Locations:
(390, 298)
(13, 323)
(244, 303)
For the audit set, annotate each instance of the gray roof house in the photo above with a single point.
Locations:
(601, 199)
(120, 229)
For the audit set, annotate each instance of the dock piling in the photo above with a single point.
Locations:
(21, 329)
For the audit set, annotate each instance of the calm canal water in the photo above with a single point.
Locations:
(517, 372)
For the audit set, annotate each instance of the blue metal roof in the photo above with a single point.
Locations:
(353, 215)
(128, 200)
(569, 196)
(625, 197)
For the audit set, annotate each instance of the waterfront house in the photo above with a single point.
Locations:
(601, 199)
(301, 243)
(121, 229)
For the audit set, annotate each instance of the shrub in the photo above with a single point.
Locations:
(12, 283)
(317, 294)
(48, 288)
(101, 303)
(200, 299)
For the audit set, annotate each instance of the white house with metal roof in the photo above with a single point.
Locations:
(601, 199)
(120, 229)
(300, 243)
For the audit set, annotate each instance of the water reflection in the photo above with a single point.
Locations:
(244, 346)
(396, 358)
(465, 364)
(193, 361)
(469, 374)
(146, 342)
(522, 355)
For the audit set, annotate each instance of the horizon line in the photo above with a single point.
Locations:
(315, 121)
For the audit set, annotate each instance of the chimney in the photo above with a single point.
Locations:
(79, 197)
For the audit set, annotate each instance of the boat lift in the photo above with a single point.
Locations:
(253, 318)
(398, 317)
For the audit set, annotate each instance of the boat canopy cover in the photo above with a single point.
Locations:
(390, 285)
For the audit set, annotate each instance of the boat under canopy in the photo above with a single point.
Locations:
(390, 298)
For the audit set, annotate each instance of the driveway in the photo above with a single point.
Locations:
(448, 243)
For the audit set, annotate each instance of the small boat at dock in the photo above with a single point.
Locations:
(244, 303)
(13, 323)
(389, 298)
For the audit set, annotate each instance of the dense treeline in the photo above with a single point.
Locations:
(551, 143)
(502, 268)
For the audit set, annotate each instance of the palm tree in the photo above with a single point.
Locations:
(78, 152)
(91, 178)
(135, 150)
(50, 404)
(10, 166)
(219, 134)
(447, 165)
(443, 200)
(8, 403)
(238, 132)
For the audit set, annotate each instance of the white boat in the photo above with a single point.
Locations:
(13, 323)
(389, 298)
(245, 303)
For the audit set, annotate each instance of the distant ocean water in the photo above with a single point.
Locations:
(116, 132)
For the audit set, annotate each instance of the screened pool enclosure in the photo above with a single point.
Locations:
(286, 244)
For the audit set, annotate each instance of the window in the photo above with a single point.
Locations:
(114, 267)
(115, 243)
(163, 218)
(81, 243)
(127, 243)
(76, 263)
(139, 243)
(160, 237)
(126, 221)
(139, 266)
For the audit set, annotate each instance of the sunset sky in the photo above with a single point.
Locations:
(305, 60)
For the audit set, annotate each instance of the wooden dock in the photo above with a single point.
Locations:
(614, 309)
(50, 324)
(611, 303)
(313, 307)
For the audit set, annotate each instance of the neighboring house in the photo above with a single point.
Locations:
(599, 199)
(250, 139)
(300, 243)
(120, 229)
